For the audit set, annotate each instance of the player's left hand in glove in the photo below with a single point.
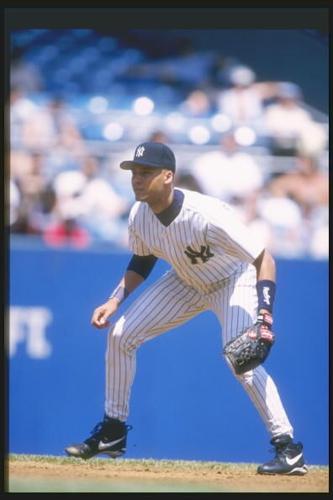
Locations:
(251, 347)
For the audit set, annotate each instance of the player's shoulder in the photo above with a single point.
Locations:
(204, 204)
(136, 211)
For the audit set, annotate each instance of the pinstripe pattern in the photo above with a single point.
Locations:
(214, 273)
(203, 221)
(162, 306)
(236, 311)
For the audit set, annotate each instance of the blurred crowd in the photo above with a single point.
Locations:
(254, 144)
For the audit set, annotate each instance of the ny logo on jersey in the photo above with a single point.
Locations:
(139, 152)
(204, 254)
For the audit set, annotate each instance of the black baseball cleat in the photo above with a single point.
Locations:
(108, 437)
(288, 458)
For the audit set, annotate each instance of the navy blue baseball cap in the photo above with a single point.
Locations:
(152, 154)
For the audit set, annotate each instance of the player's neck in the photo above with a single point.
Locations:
(162, 203)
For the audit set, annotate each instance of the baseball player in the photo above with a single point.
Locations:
(215, 266)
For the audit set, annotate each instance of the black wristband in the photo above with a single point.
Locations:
(266, 294)
(119, 293)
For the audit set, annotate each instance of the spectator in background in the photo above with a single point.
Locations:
(64, 227)
(185, 179)
(21, 109)
(158, 135)
(23, 223)
(91, 200)
(104, 209)
(30, 178)
(20, 165)
(67, 131)
(319, 244)
(312, 140)
(307, 186)
(49, 129)
(227, 171)
(66, 231)
(243, 102)
(284, 218)
(196, 104)
(28, 175)
(289, 127)
(50, 126)
(248, 208)
(38, 130)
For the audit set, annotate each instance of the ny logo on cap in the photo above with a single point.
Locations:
(139, 152)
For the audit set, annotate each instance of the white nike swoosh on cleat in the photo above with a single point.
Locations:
(103, 446)
(293, 461)
(71, 449)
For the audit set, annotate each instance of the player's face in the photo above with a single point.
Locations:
(149, 184)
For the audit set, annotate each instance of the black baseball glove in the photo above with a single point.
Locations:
(251, 347)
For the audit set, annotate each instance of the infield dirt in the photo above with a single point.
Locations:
(212, 476)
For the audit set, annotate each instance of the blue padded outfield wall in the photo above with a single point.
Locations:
(185, 402)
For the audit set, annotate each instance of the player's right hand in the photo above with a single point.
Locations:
(101, 314)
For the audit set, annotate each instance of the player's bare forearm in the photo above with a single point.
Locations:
(265, 266)
(127, 284)
(131, 280)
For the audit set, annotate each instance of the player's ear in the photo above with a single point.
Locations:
(168, 177)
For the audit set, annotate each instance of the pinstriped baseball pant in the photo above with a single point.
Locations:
(169, 302)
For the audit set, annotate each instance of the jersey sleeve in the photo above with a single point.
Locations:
(226, 229)
(135, 242)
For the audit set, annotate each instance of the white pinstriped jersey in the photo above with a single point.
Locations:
(211, 253)
(205, 244)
